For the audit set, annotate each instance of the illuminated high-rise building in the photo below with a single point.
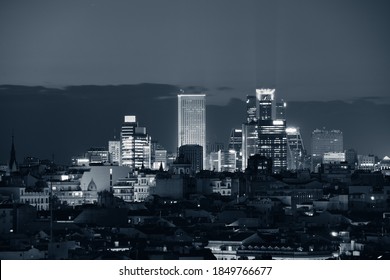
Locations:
(264, 132)
(250, 142)
(135, 144)
(273, 143)
(251, 110)
(235, 140)
(271, 129)
(295, 149)
(265, 105)
(127, 140)
(235, 145)
(192, 121)
(142, 148)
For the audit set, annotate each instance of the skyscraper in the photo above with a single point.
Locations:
(295, 149)
(250, 142)
(251, 111)
(235, 144)
(249, 131)
(273, 143)
(142, 148)
(127, 140)
(235, 140)
(325, 141)
(265, 105)
(271, 128)
(192, 121)
(135, 144)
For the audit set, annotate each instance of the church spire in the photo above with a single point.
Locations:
(12, 162)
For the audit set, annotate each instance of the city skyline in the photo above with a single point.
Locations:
(130, 100)
(195, 130)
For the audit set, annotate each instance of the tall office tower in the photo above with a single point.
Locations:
(235, 144)
(193, 154)
(295, 149)
(251, 111)
(192, 121)
(142, 148)
(249, 130)
(265, 105)
(114, 151)
(235, 140)
(250, 142)
(324, 141)
(272, 129)
(273, 143)
(280, 113)
(127, 141)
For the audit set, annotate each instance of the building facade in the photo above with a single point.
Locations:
(193, 154)
(235, 144)
(265, 105)
(192, 120)
(114, 150)
(295, 149)
(250, 142)
(251, 109)
(273, 143)
(135, 144)
(325, 141)
(142, 148)
(127, 140)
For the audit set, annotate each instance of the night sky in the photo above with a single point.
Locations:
(328, 59)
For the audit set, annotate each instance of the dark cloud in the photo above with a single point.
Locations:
(225, 88)
(375, 99)
(308, 50)
(194, 89)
